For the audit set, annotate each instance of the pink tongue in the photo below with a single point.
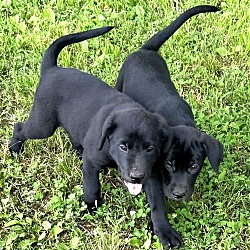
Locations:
(133, 189)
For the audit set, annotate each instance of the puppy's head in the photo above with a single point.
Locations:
(135, 139)
(185, 158)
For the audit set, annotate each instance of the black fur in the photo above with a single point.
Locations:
(144, 76)
(97, 118)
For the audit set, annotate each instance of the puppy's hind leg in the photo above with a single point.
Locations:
(40, 125)
(18, 138)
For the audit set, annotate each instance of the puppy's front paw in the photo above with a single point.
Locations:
(92, 207)
(168, 237)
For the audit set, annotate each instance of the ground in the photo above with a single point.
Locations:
(41, 204)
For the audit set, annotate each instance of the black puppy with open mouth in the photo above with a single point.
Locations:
(144, 76)
(112, 128)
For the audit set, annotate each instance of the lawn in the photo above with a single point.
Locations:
(41, 199)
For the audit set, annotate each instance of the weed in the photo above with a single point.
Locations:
(41, 204)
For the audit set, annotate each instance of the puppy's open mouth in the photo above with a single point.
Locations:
(133, 188)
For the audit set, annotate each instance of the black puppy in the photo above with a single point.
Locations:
(144, 76)
(111, 127)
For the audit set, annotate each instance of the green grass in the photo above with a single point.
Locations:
(41, 204)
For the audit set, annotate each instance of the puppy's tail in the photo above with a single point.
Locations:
(155, 42)
(51, 54)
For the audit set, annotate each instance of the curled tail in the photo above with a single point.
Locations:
(51, 54)
(155, 42)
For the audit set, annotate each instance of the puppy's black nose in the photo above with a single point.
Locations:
(136, 177)
(179, 195)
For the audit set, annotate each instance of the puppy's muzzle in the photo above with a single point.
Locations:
(134, 185)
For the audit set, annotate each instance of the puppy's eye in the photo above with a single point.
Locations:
(194, 167)
(150, 149)
(123, 147)
(169, 164)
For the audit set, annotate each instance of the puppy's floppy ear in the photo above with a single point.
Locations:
(166, 135)
(167, 142)
(107, 129)
(214, 150)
